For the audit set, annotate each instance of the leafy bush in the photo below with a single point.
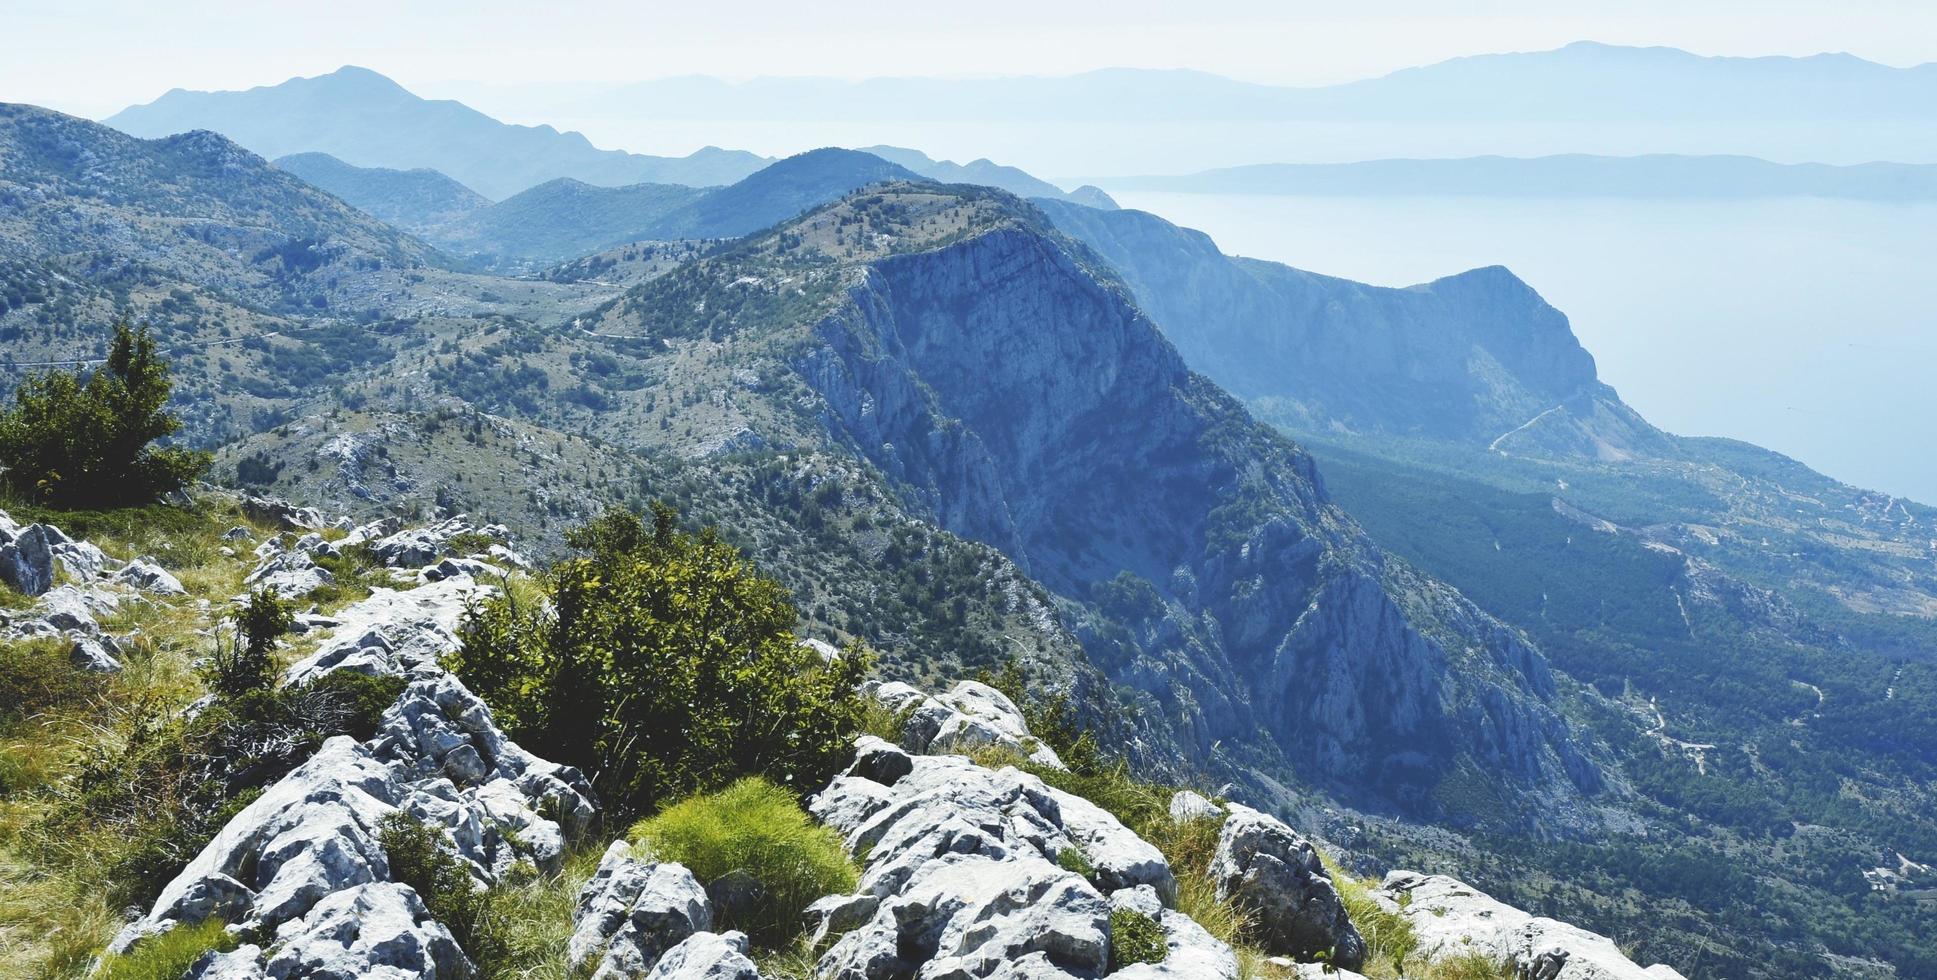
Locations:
(1135, 938)
(757, 828)
(82, 440)
(169, 955)
(420, 858)
(242, 666)
(664, 664)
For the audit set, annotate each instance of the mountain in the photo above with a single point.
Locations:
(1469, 358)
(413, 200)
(1581, 83)
(989, 174)
(1734, 600)
(566, 219)
(1002, 381)
(561, 219)
(195, 206)
(363, 118)
(1576, 175)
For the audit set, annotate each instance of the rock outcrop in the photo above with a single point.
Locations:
(638, 918)
(1451, 917)
(1265, 866)
(974, 872)
(969, 717)
(304, 862)
(34, 558)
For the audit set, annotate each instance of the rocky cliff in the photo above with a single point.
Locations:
(1477, 358)
(1026, 402)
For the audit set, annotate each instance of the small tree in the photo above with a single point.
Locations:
(664, 665)
(245, 665)
(78, 439)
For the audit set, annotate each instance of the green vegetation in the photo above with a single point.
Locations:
(421, 857)
(664, 665)
(1135, 938)
(757, 829)
(169, 955)
(82, 440)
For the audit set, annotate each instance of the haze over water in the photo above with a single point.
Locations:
(1805, 325)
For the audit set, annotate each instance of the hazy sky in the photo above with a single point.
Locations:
(92, 57)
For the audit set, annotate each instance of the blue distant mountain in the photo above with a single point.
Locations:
(1583, 82)
(1571, 175)
(362, 118)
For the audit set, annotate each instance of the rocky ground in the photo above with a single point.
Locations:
(970, 867)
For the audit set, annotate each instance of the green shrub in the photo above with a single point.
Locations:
(169, 955)
(1135, 938)
(664, 664)
(758, 828)
(1073, 859)
(420, 857)
(243, 664)
(78, 439)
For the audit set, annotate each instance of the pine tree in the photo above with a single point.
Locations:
(79, 439)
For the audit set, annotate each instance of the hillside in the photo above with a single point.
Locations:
(415, 201)
(1739, 603)
(365, 119)
(559, 220)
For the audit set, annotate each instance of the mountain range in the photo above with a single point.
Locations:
(1571, 175)
(1393, 560)
(365, 119)
(1584, 82)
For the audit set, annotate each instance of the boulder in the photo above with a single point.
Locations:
(289, 574)
(419, 546)
(1186, 807)
(33, 559)
(1267, 866)
(707, 956)
(91, 655)
(969, 717)
(967, 872)
(394, 632)
(377, 931)
(72, 609)
(1451, 917)
(632, 911)
(146, 575)
(281, 513)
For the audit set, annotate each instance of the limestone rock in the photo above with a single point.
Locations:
(632, 911)
(1267, 866)
(970, 716)
(146, 575)
(962, 873)
(707, 956)
(1186, 806)
(380, 931)
(1452, 917)
(289, 574)
(32, 559)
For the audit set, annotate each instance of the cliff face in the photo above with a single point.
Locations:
(1031, 405)
(1477, 358)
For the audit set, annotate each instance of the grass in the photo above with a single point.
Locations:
(527, 920)
(757, 828)
(60, 871)
(169, 955)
